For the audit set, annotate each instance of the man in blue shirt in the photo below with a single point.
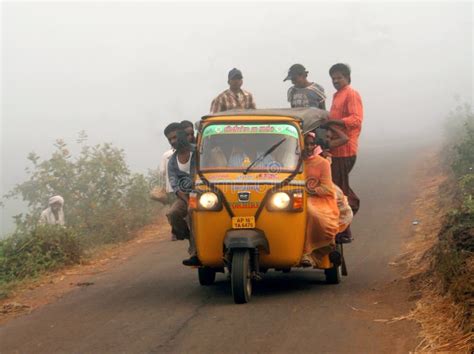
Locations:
(181, 169)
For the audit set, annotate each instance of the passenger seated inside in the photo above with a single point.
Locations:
(238, 157)
(244, 153)
(217, 157)
(272, 148)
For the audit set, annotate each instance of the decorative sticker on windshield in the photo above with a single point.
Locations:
(223, 129)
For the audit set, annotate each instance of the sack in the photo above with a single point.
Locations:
(159, 194)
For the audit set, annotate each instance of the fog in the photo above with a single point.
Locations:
(123, 71)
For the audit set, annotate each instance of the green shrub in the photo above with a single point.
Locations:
(454, 252)
(139, 206)
(464, 152)
(104, 202)
(47, 247)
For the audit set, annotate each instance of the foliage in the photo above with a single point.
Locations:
(456, 122)
(104, 202)
(464, 150)
(454, 253)
(46, 247)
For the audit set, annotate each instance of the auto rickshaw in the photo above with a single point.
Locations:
(248, 207)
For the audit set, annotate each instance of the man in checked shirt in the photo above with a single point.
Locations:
(234, 97)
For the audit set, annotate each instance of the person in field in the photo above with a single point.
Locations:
(54, 214)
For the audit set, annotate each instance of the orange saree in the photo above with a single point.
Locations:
(323, 213)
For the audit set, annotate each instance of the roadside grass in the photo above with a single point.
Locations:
(453, 258)
(454, 253)
(441, 261)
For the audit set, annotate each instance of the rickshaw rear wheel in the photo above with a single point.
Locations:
(207, 276)
(241, 281)
(333, 275)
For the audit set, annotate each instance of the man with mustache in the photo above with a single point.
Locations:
(347, 114)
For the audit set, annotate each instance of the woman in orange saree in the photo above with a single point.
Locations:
(323, 212)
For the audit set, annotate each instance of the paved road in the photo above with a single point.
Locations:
(152, 304)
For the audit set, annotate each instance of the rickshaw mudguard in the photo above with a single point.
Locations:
(246, 238)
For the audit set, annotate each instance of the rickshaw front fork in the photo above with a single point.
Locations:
(256, 274)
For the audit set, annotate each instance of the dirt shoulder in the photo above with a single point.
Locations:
(34, 293)
(440, 319)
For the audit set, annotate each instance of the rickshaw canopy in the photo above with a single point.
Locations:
(311, 117)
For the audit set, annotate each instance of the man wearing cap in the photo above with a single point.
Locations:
(234, 97)
(304, 93)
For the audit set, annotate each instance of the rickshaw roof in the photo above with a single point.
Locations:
(311, 117)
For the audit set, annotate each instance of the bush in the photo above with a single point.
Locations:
(464, 150)
(104, 202)
(47, 247)
(454, 253)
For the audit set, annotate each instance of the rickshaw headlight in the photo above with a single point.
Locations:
(280, 200)
(208, 200)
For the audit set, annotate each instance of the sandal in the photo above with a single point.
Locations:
(306, 261)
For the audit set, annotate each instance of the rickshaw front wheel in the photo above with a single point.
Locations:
(206, 276)
(241, 280)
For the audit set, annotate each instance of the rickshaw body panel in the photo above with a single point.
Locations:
(284, 230)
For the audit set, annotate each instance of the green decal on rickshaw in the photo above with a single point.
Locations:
(229, 129)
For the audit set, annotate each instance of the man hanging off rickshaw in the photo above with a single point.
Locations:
(270, 193)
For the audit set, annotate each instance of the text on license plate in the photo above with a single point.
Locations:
(243, 222)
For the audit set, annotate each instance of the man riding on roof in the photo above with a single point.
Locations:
(304, 93)
(234, 97)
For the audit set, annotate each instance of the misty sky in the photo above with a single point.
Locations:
(123, 71)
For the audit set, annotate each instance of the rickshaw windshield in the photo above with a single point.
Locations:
(236, 146)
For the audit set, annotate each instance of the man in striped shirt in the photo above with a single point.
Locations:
(234, 97)
(347, 114)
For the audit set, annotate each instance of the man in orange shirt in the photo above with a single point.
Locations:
(346, 113)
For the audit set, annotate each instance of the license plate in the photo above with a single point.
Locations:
(243, 222)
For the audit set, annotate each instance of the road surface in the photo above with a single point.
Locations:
(152, 304)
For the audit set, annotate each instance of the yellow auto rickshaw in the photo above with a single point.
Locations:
(248, 207)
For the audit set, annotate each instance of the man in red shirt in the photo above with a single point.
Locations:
(346, 113)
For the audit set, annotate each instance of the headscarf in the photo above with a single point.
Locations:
(317, 150)
(48, 217)
(56, 199)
